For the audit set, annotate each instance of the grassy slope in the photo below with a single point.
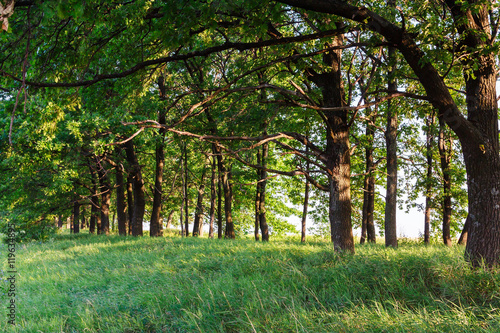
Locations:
(114, 284)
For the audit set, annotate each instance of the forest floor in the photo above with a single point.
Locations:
(83, 283)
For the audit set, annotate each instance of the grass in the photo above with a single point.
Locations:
(82, 283)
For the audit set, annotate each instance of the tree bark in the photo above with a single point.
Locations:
(305, 207)
(105, 197)
(445, 159)
(219, 202)
(367, 222)
(198, 215)
(130, 202)
(213, 197)
(391, 133)
(121, 207)
(76, 217)
(186, 196)
(337, 154)
(155, 225)
(169, 219)
(138, 189)
(260, 199)
(428, 181)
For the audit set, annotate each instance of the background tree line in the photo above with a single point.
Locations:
(218, 113)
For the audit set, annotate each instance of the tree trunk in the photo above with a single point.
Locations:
(465, 232)
(138, 189)
(198, 215)
(169, 219)
(60, 222)
(367, 222)
(155, 225)
(130, 202)
(219, 204)
(212, 198)
(304, 211)
(428, 181)
(82, 218)
(225, 175)
(105, 198)
(338, 157)
(391, 133)
(445, 158)
(121, 207)
(186, 196)
(76, 217)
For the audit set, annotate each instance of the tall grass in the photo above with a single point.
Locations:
(122, 284)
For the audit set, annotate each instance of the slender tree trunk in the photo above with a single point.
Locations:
(219, 204)
(445, 158)
(198, 215)
(465, 232)
(212, 198)
(428, 181)
(105, 198)
(82, 218)
(76, 217)
(186, 196)
(169, 219)
(138, 189)
(304, 210)
(367, 222)
(257, 202)
(121, 207)
(130, 202)
(60, 222)
(225, 175)
(155, 225)
(264, 228)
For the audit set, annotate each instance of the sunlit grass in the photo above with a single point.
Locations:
(82, 283)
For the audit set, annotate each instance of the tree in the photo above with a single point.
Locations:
(478, 133)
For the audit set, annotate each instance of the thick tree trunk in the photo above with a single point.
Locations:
(337, 154)
(138, 189)
(76, 217)
(121, 207)
(60, 221)
(198, 215)
(391, 133)
(105, 198)
(428, 184)
(213, 197)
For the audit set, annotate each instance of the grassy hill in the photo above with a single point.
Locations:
(114, 284)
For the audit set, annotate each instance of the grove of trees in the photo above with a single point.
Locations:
(230, 113)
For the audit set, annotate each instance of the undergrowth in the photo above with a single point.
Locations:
(83, 283)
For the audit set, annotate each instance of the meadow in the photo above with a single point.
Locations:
(83, 283)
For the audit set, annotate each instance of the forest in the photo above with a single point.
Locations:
(227, 118)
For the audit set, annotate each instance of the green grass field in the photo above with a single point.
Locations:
(114, 284)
